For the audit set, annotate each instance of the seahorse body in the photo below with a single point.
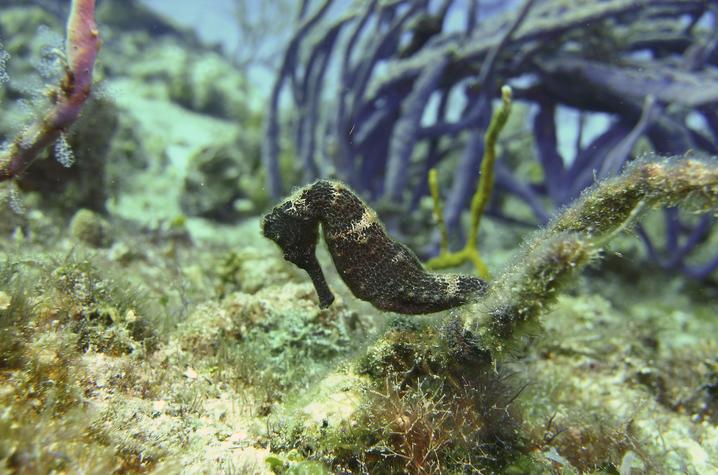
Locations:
(375, 267)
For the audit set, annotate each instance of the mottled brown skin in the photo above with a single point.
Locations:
(375, 267)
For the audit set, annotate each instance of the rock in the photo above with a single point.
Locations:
(90, 228)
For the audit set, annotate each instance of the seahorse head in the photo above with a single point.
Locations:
(296, 237)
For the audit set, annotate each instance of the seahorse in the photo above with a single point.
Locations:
(375, 267)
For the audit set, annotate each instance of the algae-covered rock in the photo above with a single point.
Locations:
(199, 80)
(105, 313)
(278, 324)
(250, 269)
(209, 84)
(73, 173)
(90, 228)
(53, 315)
(224, 182)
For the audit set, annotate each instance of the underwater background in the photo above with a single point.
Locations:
(513, 205)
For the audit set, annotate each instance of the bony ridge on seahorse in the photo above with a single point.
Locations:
(375, 267)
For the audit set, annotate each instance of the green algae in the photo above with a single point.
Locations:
(259, 371)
